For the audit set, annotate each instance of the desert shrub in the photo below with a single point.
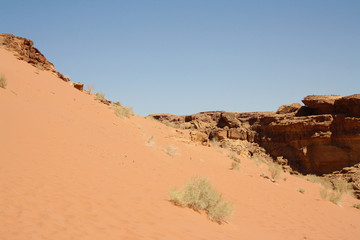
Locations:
(40, 66)
(100, 96)
(236, 159)
(235, 166)
(301, 190)
(3, 81)
(320, 180)
(343, 186)
(275, 170)
(332, 196)
(219, 213)
(356, 205)
(199, 194)
(170, 150)
(90, 88)
(120, 111)
(150, 141)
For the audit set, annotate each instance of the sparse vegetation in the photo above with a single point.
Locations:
(90, 88)
(199, 194)
(39, 66)
(301, 190)
(235, 166)
(320, 180)
(275, 170)
(150, 141)
(120, 111)
(332, 196)
(356, 205)
(236, 159)
(100, 96)
(343, 186)
(170, 150)
(3, 81)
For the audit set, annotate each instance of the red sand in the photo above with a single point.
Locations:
(71, 169)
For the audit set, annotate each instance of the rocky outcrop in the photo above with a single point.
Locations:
(289, 108)
(321, 104)
(24, 50)
(321, 137)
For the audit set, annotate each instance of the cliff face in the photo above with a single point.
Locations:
(321, 137)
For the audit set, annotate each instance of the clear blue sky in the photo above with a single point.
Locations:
(187, 56)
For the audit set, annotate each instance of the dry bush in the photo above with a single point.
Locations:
(120, 111)
(301, 190)
(320, 180)
(236, 159)
(150, 141)
(170, 150)
(90, 88)
(235, 166)
(356, 205)
(199, 194)
(3, 81)
(100, 96)
(275, 170)
(332, 196)
(343, 186)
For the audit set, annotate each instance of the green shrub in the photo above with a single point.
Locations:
(198, 194)
(3, 81)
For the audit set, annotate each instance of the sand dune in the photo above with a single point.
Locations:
(71, 169)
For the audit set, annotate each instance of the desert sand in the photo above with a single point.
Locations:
(71, 169)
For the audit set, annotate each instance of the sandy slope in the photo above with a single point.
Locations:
(71, 169)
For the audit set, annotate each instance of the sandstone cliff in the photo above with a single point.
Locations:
(321, 137)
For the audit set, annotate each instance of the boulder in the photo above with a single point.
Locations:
(289, 108)
(79, 86)
(349, 105)
(321, 104)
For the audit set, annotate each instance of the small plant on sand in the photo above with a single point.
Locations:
(90, 88)
(233, 157)
(199, 194)
(332, 196)
(343, 186)
(301, 190)
(170, 150)
(320, 180)
(235, 166)
(100, 96)
(356, 205)
(120, 111)
(40, 66)
(3, 81)
(275, 170)
(150, 141)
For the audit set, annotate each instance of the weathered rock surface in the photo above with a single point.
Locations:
(321, 104)
(322, 138)
(288, 108)
(24, 50)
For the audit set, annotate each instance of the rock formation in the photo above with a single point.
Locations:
(321, 137)
(24, 50)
